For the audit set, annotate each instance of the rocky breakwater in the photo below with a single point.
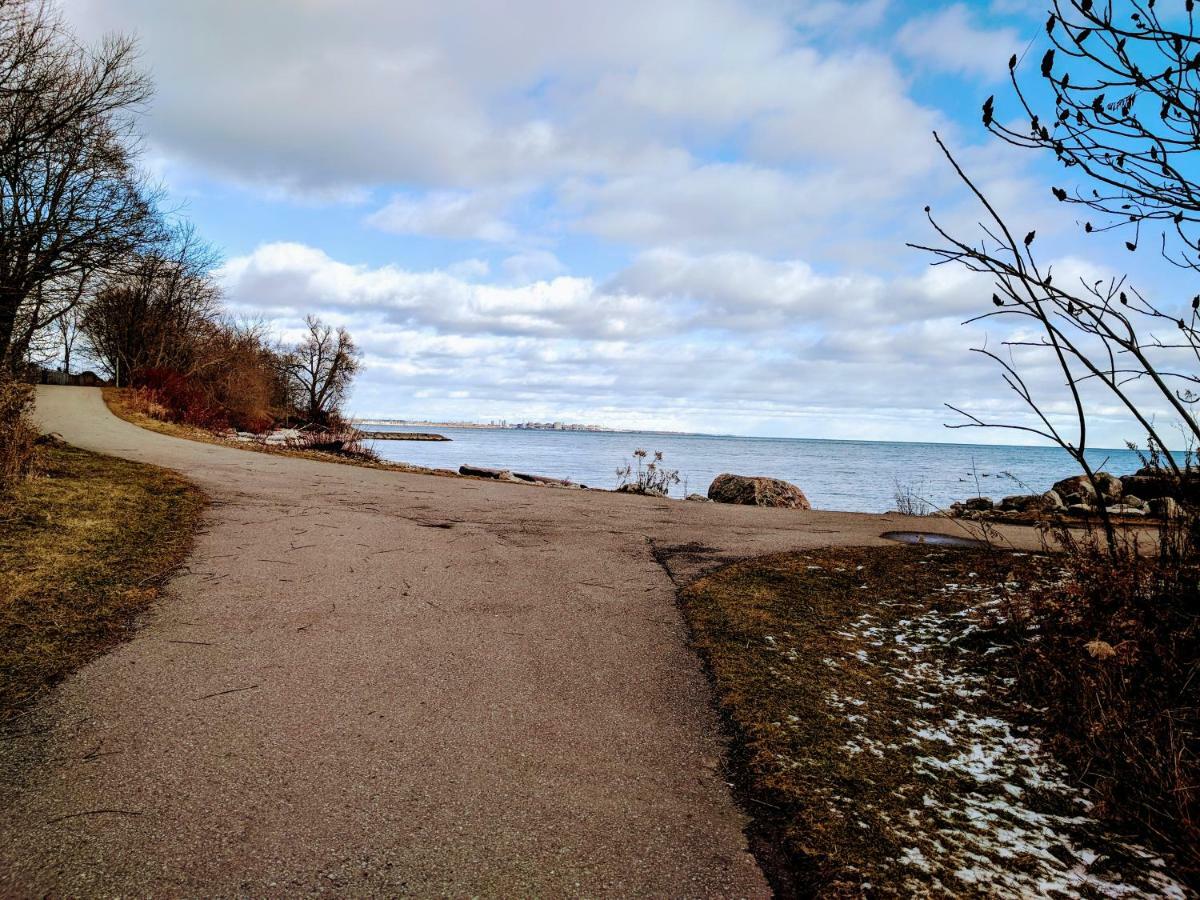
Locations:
(752, 490)
(1149, 492)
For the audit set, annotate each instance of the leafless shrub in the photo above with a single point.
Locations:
(17, 432)
(909, 501)
(640, 477)
(341, 442)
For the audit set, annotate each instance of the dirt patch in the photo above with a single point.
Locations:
(84, 548)
(873, 745)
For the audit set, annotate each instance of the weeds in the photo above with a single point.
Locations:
(909, 502)
(343, 442)
(652, 478)
(17, 433)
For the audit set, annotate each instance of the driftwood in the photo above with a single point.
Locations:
(482, 472)
(545, 479)
(508, 475)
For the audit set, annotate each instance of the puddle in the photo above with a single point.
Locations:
(933, 539)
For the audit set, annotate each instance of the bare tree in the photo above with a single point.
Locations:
(68, 333)
(159, 313)
(1124, 120)
(321, 368)
(72, 203)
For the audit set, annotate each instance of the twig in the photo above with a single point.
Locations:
(229, 691)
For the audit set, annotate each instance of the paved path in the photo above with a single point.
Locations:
(405, 684)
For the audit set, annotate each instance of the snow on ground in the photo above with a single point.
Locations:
(987, 809)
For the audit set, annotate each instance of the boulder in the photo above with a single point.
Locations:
(1080, 509)
(1150, 487)
(750, 490)
(1081, 486)
(982, 504)
(1134, 501)
(1033, 503)
(1075, 486)
(698, 498)
(1110, 486)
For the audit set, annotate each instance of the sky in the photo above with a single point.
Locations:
(672, 215)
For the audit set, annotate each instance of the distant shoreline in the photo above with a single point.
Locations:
(518, 426)
(603, 429)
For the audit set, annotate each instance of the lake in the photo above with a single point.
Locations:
(847, 475)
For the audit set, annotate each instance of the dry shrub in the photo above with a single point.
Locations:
(183, 398)
(342, 442)
(245, 382)
(18, 435)
(1108, 659)
(146, 402)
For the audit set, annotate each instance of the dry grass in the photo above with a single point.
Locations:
(85, 547)
(873, 735)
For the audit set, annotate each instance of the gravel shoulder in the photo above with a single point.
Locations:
(373, 682)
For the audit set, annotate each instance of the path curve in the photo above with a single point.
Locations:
(375, 683)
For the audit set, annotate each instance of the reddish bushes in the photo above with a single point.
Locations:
(179, 398)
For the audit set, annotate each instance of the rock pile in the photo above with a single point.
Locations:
(1148, 492)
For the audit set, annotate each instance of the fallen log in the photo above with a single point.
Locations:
(546, 479)
(482, 472)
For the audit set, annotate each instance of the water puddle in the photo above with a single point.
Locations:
(933, 539)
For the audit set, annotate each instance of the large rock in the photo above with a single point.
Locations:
(1151, 486)
(979, 504)
(1033, 503)
(750, 490)
(1080, 486)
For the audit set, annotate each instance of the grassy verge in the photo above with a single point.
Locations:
(117, 401)
(875, 742)
(85, 546)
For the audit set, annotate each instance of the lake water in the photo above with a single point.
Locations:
(847, 475)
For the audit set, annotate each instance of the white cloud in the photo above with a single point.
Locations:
(697, 338)
(477, 216)
(949, 40)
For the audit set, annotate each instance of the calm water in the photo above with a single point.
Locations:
(847, 475)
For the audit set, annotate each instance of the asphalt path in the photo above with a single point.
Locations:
(376, 683)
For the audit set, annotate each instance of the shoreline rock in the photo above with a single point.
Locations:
(752, 490)
(1149, 492)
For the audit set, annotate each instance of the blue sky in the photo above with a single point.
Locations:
(683, 215)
